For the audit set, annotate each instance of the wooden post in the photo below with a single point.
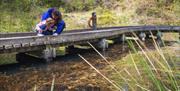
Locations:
(120, 39)
(123, 38)
(125, 87)
(159, 38)
(142, 36)
(103, 44)
(49, 53)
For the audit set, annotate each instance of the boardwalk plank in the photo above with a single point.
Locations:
(33, 44)
(25, 44)
(40, 43)
(16, 45)
(8, 46)
(72, 38)
(1, 47)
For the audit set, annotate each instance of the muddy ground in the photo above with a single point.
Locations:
(71, 73)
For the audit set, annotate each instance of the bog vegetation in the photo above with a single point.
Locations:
(22, 15)
(142, 71)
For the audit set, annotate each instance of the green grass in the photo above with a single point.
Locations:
(16, 22)
(140, 74)
(19, 19)
(7, 59)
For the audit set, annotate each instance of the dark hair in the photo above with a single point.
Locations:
(58, 14)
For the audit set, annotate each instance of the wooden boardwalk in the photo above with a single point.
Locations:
(22, 42)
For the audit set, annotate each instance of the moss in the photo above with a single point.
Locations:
(7, 59)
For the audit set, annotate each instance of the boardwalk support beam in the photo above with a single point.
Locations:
(70, 49)
(120, 39)
(103, 44)
(20, 57)
(49, 53)
(142, 36)
(159, 38)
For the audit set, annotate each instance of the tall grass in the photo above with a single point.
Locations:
(17, 21)
(148, 70)
(21, 16)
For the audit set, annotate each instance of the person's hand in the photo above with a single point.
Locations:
(55, 34)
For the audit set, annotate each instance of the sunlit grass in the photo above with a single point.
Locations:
(125, 13)
(141, 74)
(7, 59)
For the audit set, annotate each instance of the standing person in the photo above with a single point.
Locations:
(92, 22)
(59, 24)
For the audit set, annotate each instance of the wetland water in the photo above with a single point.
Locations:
(70, 72)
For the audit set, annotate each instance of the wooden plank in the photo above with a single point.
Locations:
(47, 42)
(21, 34)
(16, 45)
(24, 49)
(8, 46)
(147, 27)
(1, 47)
(75, 37)
(33, 44)
(25, 44)
(40, 43)
(17, 34)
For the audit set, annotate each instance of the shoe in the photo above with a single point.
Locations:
(55, 34)
(39, 34)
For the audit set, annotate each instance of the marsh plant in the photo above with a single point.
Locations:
(148, 70)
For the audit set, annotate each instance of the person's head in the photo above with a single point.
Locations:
(50, 21)
(56, 15)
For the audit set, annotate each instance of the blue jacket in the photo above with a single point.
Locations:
(48, 14)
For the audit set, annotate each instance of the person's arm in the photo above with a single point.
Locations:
(47, 14)
(41, 26)
(89, 22)
(60, 27)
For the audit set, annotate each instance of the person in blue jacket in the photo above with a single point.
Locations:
(57, 17)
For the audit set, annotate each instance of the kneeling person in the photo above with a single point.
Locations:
(59, 25)
(45, 27)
